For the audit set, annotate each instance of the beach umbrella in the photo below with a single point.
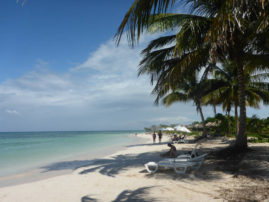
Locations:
(169, 129)
(182, 129)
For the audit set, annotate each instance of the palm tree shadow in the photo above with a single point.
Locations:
(116, 164)
(255, 165)
(66, 165)
(88, 199)
(135, 195)
(112, 167)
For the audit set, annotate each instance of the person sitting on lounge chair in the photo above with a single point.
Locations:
(172, 153)
(181, 137)
(175, 138)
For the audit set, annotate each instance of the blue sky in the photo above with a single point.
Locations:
(62, 32)
(60, 70)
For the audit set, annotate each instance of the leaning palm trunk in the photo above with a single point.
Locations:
(202, 117)
(241, 138)
(215, 110)
(229, 122)
(236, 119)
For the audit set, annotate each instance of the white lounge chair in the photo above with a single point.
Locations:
(189, 157)
(182, 140)
(179, 164)
(179, 167)
(194, 156)
(183, 161)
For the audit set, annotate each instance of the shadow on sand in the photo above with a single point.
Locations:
(252, 164)
(66, 165)
(88, 199)
(116, 164)
(112, 167)
(135, 195)
(140, 195)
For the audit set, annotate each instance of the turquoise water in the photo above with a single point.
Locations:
(22, 151)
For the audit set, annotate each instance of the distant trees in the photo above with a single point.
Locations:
(158, 127)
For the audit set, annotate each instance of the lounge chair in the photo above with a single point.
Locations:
(193, 155)
(179, 164)
(180, 167)
(181, 140)
(190, 157)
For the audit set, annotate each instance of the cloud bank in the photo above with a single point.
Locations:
(101, 93)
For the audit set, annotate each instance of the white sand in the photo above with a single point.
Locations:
(122, 177)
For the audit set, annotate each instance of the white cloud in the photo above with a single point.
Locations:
(21, 2)
(101, 93)
(13, 112)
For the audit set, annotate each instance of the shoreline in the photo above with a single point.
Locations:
(64, 165)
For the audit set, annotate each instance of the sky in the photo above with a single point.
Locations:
(61, 70)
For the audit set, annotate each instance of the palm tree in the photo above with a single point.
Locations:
(232, 33)
(171, 72)
(224, 88)
(168, 58)
(189, 89)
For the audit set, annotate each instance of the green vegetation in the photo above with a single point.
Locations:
(224, 33)
(257, 129)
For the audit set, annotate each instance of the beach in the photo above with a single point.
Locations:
(142, 100)
(121, 176)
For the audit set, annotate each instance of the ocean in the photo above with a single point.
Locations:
(23, 151)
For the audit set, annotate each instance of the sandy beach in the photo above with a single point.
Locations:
(86, 87)
(123, 177)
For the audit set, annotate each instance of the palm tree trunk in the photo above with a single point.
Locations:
(202, 117)
(241, 138)
(215, 110)
(229, 122)
(236, 119)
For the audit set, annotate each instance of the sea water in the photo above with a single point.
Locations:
(21, 151)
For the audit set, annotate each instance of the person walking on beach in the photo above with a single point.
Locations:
(160, 135)
(154, 137)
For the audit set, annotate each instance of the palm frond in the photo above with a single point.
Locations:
(159, 43)
(174, 97)
(171, 21)
(138, 17)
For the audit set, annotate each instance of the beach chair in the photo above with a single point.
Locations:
(181, 140)
(180, 167)
(190, 157)
(179, 164)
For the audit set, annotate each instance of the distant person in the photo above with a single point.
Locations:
(154, 137)
(172, 153)
(160, 135)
